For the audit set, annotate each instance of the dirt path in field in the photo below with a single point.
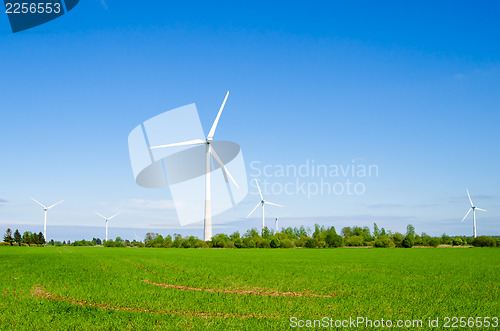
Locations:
(39, 292)
(252, 291)
(255, 291)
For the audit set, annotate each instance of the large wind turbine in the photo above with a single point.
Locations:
(209, 151)
(473, 209)
(45, 216)
(107, 219)
(262, 202)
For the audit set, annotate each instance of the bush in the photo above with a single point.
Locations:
(457, 242)
(384, 242)
(275, 243)
(220, 240)
(334, 240)
(238, 243)
(484, 241)
(300, 242)
(434, 242)
(286, 243)
(398, 238)
(265, 243)
(248, 243)
(354, 241)
(111, 243)
(408, 241)
(311, 243)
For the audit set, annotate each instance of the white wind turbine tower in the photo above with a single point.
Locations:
(107, 219)
(473, 209)
(276, 220)
(209, 151)
(262, 203)
(45, 216)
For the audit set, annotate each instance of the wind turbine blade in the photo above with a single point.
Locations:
(37, 202)
(101, 215)
(185, 143)
(114, 215)
(467, 214)
(481, 209)
(253, 210)
(260, 193)
(212, 150)
(274, 204)
(471, 204)
(214, 126)
(55, 204)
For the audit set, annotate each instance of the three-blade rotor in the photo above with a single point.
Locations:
(472, 207)
(108, 218)
(262, 201)
(46, 208)
(208, 141)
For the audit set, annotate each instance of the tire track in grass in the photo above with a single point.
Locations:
(240, 291)
(253, 291)
(38, 292)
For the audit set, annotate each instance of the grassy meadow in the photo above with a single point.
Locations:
(95, 288)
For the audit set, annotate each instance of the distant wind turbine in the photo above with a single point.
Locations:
(209, 151)
(473, 209)
(107, 219)
(262, 202)
(45, 216)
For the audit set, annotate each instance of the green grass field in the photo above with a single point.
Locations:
(89, 288)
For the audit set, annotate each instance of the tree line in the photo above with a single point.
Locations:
(320, 237)
(301, 237)
(27, 238)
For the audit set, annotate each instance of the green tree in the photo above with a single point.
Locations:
(251, 233)
(235, 236)
(332, 239)
(35, 239)
(397, 238)
(484, 241)
(275, 243)
(8, 237)
(445, 239)
(347, 232)
(17, 237)
(27, 238)
(384, 242)
(266, 233)
(311, 243)
(410, 230)
(434, 241)
(220, 240)
(376, 231)
(238, 243)
(408, 241)
(41, 238)
(382, 232)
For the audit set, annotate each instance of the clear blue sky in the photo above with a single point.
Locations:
(411, 87)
